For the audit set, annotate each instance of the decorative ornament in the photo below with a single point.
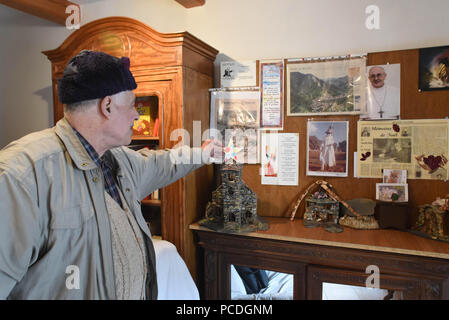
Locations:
(231, 152)
(396, 127)
(365, 156)
(431, 163)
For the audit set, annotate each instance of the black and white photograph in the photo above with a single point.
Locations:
(236, 115)
(392, 150)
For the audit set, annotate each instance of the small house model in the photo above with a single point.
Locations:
(320, 208)
(432, 223)
(234, 205)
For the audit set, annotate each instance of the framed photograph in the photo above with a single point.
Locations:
(236, 115)
(326, 87)
(327, 148)
(383, 94)
(434, 68)
(394, 176)
(392, 192)
(235, 109)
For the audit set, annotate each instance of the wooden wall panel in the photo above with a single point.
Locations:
(275, 200)
(200, 183)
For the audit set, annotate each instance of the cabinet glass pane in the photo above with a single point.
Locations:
(256, 284)
(335, 291)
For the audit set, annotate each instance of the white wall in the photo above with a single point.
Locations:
(239, 29)
(250, 29)
(25, 92)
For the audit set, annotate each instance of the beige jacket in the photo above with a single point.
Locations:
(54, 225)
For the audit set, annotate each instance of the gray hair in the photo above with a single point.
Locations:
(81, 106)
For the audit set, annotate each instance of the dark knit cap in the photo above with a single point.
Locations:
(92, 75)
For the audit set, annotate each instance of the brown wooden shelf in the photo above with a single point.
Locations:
(151, 202)
(384, 240)
(145, 138)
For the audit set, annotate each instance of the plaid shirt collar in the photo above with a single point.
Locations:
(100, 162)
(105, 166)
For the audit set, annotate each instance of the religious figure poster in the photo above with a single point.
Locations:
(326, 87)
(237, 74)
(383, 95)
(421, 147)
(327, 148)
(280, 158)
(236, 115)
(434, 68)
(272, 93)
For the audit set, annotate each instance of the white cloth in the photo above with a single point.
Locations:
(322, 161)
(280, 287)
(174, 281)
(329, 150)
(334, 291)
(385, 99)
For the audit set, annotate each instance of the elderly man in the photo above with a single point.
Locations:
(71, 226)
(383, 101)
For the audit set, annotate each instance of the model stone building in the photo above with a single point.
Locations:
(234, 205)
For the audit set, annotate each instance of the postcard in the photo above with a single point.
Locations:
(434, 68)
(394, 176)
(237, 74)
(280, 158)
(392, 192)
(236, 115)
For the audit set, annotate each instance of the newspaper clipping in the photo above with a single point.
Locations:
(418, 146)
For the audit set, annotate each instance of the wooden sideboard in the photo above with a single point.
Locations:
(416, 266)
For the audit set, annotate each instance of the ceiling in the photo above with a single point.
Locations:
(55, 10)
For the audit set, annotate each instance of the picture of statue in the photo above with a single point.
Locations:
(327, 148)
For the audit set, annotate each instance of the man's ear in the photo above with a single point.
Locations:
(105, 106)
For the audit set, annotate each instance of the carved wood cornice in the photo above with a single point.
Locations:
(129, 31)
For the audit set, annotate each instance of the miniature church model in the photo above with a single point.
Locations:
(234, 205)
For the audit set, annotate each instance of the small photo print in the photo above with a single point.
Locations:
(327, 148)
(394, 176)
(434, 68)
(393, 192)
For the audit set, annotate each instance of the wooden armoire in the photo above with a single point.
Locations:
(177, 69)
